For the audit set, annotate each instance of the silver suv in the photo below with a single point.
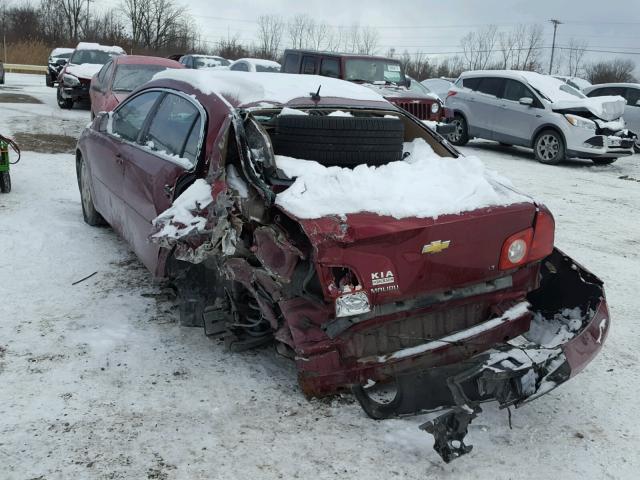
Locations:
(539, 112)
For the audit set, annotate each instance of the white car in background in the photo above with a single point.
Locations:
(631, 93)
(576, 82)
(439, 86)
(255, 65)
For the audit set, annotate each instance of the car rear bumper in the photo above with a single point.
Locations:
(570, 324)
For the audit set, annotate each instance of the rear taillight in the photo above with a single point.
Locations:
(543, 236)
(515, 249)
(531, 244)
(451, 93)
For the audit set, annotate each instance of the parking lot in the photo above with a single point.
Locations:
(98, 380)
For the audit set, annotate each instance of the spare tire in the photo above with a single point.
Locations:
(339, 141)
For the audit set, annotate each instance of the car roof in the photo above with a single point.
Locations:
(146, 60)
(260, 89)
(619, 84)
(338, 54)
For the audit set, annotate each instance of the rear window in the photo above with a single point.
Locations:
(291, 63)
(97, 57)
(130, 77)
(471, 83)
(309, 65)
(492, 86)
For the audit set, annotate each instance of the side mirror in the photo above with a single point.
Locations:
(445, 129)
(528, 101)
(101, 120)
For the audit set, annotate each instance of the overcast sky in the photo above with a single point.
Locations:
(436, 25)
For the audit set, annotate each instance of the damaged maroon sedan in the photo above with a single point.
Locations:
(310, 213)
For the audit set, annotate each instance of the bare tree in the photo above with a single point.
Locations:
(159, 22)
(318, 35)
(507, 43)
(270, 29)
(478, 47)
(368, 42)
(72, 12)
(576, 52)
(611, 71)
(297, 28)
(135, 11)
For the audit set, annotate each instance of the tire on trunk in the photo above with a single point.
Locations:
(339, 141)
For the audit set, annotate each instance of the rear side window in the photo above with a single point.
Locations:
(471, 83)
(129, 119)
(601, 92)
(239, 67)
(171, 127)
(330, 67)
(492, 86)
(291, 63)
(309, 65)
(632, 96)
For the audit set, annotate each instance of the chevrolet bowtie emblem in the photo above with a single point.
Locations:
(436, 246)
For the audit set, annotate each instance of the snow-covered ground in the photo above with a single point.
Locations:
(97, 380)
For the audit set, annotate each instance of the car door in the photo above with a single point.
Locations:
(632, 109)
(108, 148)
(487, 108)
(517, 122)
(99, 87)
(169, 147)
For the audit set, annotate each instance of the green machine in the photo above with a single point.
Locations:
(5, 177)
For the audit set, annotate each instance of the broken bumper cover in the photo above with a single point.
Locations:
(601, 146)
(570, 324)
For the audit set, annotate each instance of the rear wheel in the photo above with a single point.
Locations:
(89, 212)
(460, 136)
(549, 147)
(5, 182)
(603, 161)
(339, 141)
(64, 103)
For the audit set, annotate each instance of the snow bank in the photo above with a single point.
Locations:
(180, 220)
(280, 88)
(97, 46)
(86, 70)
(423, 185)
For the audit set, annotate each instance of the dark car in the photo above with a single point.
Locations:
(58, 58)
(385, 75)
(228, 185)
(75, 78)
(120, 76)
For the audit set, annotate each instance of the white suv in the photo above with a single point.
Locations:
(540, 112)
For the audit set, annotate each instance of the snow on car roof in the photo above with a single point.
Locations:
(60, 51)
(97, 46)
(259, 61)
(278, 88)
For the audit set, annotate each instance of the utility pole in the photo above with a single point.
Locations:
(553, 45)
